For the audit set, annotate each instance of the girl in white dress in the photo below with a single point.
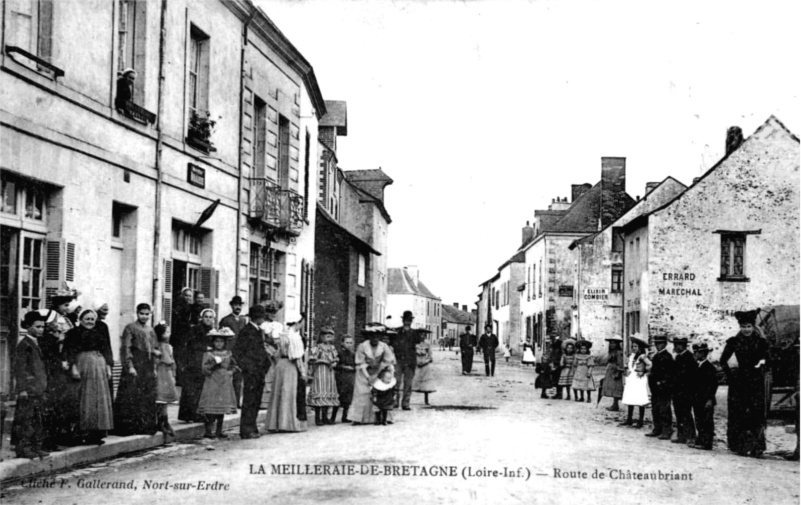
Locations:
(635, 389)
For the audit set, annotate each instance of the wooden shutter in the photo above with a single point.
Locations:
(166, 301)
(59, 265)
(206, 276)
(45, 35)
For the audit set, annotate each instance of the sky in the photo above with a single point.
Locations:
(483, 111)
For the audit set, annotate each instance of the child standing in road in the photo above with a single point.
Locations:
(345, 378)
(423, 381)
(323, 393)
(218, 397)
(383, 394)
(635, 389)
(165, 377)
(582, 379)
(567, 367)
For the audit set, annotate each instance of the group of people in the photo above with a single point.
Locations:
(486, 344)
(683, 383)
(63, 375)
(65, 392)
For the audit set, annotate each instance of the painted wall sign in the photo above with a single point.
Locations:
(675, 284)
(596, 295)
(196, 176)
(566, 291)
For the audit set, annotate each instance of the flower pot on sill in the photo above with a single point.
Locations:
(202, 145)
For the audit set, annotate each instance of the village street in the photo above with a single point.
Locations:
(551, 451)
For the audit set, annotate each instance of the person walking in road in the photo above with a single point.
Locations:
(467, 342)
(488, 343)
(30, 376)
(684, 388)
(745, 433)
(404, 346)
(582, 378)
(217, 397)
(567, 368)
(322, 362)
(661, 380)
(135, 410)
(252, 356)
(615, 367)
(235, 321)
(635, 390)
(424, 376)
(706, 386)
(345, 377)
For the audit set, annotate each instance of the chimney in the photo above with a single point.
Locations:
(413, 273)
(528, 233)
(650, 186)
(456, 305)
(464, 308)
(696, 179)
(613, 189)
(734, 139)
(576, 190)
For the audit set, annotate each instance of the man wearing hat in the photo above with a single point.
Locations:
(404, 344)
(706, 386)
(467, 342)
(660, 380)
(684, 391)
(30, 376)
(235, 321)
(488, 342)
(253, 358)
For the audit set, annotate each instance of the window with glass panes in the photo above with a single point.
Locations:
(732, 256)
(265, 272)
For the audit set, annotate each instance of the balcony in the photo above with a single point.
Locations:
(137, 113)
(281, 209)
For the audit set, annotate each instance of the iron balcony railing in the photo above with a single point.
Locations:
(279, 208)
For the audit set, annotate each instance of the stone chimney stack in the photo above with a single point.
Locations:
(650, 186)
(734, 139)
(464, 308)
(528, 233)
(456, 305)
(414, 273)
(613, 189)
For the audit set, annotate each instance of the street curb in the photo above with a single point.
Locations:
(16, 469)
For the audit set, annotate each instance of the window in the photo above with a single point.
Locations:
(259, 144)
(732, 256)
(32, 263)
(266, 267)
(31, 28)
(617, 280)
(9, 196)
(198, 72)
(14, 192)
(283, 152)
(131, 44)
(362, 269)
(187, 241)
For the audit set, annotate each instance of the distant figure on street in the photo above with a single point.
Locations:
(488, 343)
(424, 376)
(660, 380)
(528, 353)
(467, 342)
(706, 386)
(684, 388)
(746, 400)
(404, 346)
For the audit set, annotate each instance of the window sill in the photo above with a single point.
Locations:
(734, 279)
(35, 63)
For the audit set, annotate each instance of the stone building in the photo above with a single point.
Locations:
(598, 284)
(548, 303)
(729, 242)
(129, 190)
(455, 321)
(407, 292)
(485, 306)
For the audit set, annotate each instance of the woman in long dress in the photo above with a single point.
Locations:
(89, 356)
(615, 367)
(193, 378)
(135, 410)
(635, 389)
(745, 431)
(371, 357)
(289, 368)
(423, 381)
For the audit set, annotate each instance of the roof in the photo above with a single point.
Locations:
(453, 315)
(336, 115)
(323, 216)
(493, 278)
(375, 174)
(519, 257)
(399, 282)
(772, 121)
